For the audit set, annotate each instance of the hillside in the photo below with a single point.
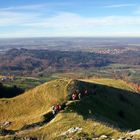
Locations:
(111, 108)
(34, 62)
(39, 62)
(32, 104)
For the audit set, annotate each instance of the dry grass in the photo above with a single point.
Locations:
(120, 84)
(64, 121)
(29, 108)
(33, 104)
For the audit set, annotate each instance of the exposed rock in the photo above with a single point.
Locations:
(26, 138)
(72, 130)
(137, 132)
(95, 138)
(5, 124)
(121, 139)
(103, 137)
(126, 139)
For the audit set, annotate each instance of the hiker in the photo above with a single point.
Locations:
(86, 92)
(53, 110)
(57, 108)
(79, 96)
(74, 96)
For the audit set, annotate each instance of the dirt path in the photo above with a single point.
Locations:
(48, 117)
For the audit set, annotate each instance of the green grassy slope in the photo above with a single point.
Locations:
(110, 107)
(32, 104)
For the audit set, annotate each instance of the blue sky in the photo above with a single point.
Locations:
(51, 18)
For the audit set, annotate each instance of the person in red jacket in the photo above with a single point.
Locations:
(58, 108)
(74, 96)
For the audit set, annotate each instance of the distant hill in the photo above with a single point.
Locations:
(110, 107)
(38, 62)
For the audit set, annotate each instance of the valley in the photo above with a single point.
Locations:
(33, 80)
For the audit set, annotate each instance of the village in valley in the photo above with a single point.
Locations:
(6, 78)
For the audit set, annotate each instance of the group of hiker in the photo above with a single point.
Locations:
(76, 95)
(56, 109)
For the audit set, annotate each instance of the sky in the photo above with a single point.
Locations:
(69, 18)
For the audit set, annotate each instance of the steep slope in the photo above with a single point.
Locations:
(110, 107)
(32, 104)
(116, 106)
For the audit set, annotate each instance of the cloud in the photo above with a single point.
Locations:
(72, 21)
(119, 5)
(24, 7)
(70, 33)
(12, 16)
(8, 18)
(36, 6)
(31, 21)
(19, 15)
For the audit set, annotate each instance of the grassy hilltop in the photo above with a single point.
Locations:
(111, 107)
(32, 104)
